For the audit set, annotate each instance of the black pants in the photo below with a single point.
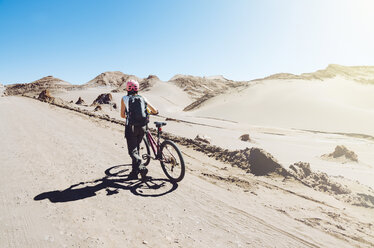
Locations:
(134, 135)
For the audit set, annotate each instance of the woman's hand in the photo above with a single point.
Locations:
(152, 110)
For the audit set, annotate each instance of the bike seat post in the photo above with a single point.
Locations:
(158, 135)
(159, 130)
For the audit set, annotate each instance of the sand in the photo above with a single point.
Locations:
(64, 186)
(333, 105)
(63, 173)
(270, 127)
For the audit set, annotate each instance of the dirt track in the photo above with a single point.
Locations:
(63, 184)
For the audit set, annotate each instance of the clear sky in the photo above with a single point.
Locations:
(76, 40)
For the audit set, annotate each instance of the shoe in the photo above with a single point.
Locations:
(142, 167)
(133, 175)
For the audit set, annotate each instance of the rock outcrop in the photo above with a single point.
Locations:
(114, 79)
(342, 153)
(148, 82)
(80, 101)
(197, 87)
(196, 104)
(203, 138)
(317, 180)
(245, 137)
(45, 96)
(263, 163)
(105, 98)
(51, 83)
(204, 88)
(98, 108)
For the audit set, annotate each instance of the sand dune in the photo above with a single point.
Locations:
(332, 105)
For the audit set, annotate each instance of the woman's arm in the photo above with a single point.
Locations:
(153, 110)
(123, 109)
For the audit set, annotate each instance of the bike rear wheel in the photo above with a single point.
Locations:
(172, 162)
(145, 152)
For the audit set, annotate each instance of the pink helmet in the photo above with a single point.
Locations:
(132, 85)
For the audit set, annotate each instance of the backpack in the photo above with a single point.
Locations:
(137, 114)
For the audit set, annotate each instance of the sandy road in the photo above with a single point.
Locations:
(63, 184)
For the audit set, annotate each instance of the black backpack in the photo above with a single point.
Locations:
(137, 114)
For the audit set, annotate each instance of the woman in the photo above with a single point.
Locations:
(134, 129)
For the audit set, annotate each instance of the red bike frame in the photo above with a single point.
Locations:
(154, 145)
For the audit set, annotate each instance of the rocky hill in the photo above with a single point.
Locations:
(362, 74)
(200, 86)
(148, 82)
(203, 88)
(110, 79)
(145, 83)
(37, 86)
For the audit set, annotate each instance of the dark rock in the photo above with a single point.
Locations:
(203, 138)
(245, 137)
(341, 151)
(105, 98)
(45, 96)
(317, 180)
(263, 163)
(80, 101)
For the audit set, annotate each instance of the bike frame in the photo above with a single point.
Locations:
(154, 145)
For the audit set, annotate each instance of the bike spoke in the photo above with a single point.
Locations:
(171, 160)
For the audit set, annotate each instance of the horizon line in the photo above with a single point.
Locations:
(202, 76)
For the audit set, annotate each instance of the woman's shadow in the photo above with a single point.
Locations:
(115, 179)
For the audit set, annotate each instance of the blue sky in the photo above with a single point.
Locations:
(76, 40)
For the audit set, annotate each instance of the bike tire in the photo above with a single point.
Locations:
(177, 160)
(146, 151)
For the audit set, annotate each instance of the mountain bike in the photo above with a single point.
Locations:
(167, 152)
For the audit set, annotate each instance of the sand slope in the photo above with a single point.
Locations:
(334, 105)
(62, 186)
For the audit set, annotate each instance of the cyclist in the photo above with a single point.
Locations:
(134, 133)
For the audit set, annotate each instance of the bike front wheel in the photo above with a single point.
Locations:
(172, 162)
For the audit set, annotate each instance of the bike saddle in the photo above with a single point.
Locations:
(159, 124)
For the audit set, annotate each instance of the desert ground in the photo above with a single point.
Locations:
(64, 165)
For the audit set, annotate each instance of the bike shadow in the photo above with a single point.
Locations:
(115, 179)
